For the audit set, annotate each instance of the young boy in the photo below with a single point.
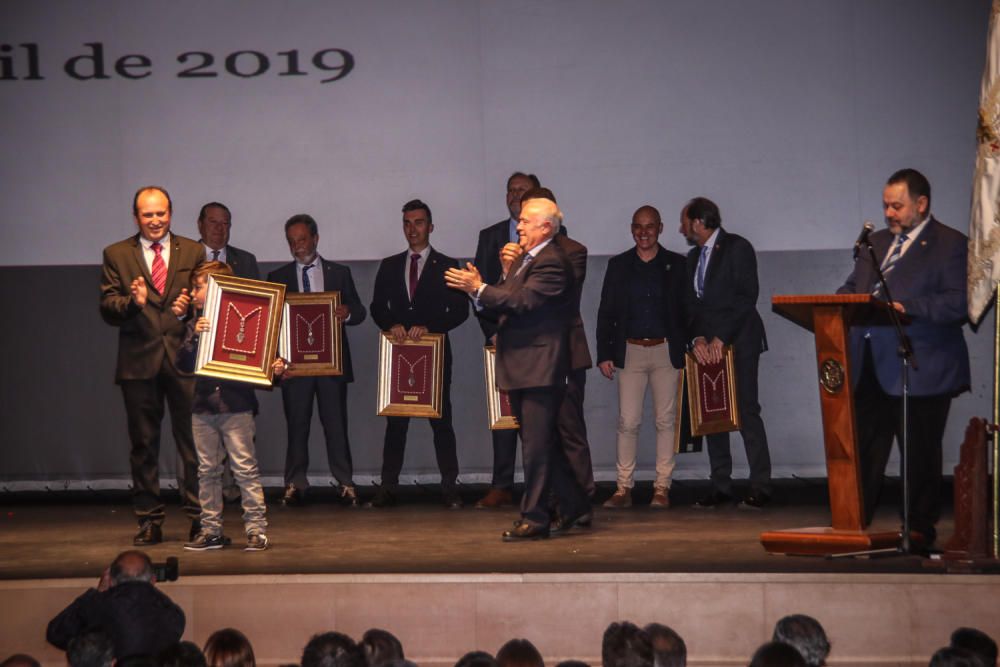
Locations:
(222, 422)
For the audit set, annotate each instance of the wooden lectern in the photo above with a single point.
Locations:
(829, 317)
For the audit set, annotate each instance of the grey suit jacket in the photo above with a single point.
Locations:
(536, 307)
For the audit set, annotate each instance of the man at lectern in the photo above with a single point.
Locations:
(924, 263)
(720, 295)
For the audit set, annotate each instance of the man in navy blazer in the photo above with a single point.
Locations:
(215, 222)
(311, 273)
(924, 263)
(410, 300)
(720, 303)
(640, 332)
(536, 303)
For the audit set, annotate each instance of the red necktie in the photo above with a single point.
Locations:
(414, 258)
(159, 269)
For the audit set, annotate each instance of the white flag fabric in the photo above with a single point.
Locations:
(984, 225)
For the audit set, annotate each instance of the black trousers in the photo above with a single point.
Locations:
(445, 446)
(297, 396)
(754, 436)
(880, 421)
(544, 469)
(572, 430)
(144, 411)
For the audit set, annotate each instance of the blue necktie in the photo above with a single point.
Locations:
(306, 287)
(527, 260)
(897, 252)
(700, 273)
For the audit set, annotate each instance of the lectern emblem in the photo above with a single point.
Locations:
(831, 376)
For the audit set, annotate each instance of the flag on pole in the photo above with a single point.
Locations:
(984, 223)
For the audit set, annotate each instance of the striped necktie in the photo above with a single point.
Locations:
(159, 270)
(306, 287)
(890, 263)
(524, 262)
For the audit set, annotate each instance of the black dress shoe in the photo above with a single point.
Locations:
(294, 497)
(755, 500)
(383, 498)
(148, 535)
(523, 530)
(714, 499)
(452, 500)
(565, 523)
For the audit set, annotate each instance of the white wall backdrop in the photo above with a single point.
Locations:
(790, 113)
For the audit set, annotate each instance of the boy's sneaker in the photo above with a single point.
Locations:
(205, 541)
(256, 542)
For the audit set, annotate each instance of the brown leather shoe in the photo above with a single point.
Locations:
(621, 499)
(661, 498)
(495, 498)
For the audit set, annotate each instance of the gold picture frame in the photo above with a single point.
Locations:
(410, 376)
(311, 335)
(498, 409)
(713, 406)
(242, 340)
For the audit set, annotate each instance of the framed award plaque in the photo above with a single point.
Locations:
(498, 409)
(712, 395)
(242, 340)
(311, 334)
(410, 376)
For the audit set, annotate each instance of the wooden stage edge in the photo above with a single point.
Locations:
(871, 619)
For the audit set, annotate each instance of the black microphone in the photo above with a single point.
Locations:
(863, 237)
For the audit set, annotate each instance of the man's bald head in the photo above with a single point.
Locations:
(131, 565)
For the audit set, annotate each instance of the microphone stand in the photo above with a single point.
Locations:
(905, 351)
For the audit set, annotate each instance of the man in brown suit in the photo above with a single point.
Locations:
(141, 277)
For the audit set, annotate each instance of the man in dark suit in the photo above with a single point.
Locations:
(571, 423)
(640, 331)
(536, 303)
(215, 222)
(214, 225)
(311, 273)
(491, 240)
(924, 263)
(410, 300)
(141, 278)
(721, 308)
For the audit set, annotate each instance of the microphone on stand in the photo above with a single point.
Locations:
(863, 237)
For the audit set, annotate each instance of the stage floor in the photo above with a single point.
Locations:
(59, 536)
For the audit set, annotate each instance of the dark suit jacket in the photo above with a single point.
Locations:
(535, 308)
(728, 309)
(434, 305)
(243, 263)
(336, 278)
(930, 281)
(487, 260)
(579, 351)
(149, 334)
(612, 313)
